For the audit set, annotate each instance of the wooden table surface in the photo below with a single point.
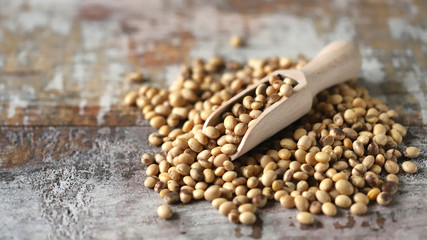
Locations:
(69, 153)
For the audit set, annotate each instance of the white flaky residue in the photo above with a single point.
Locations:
(57, 82)
(401, 29)
(15, 101)
(372, 67)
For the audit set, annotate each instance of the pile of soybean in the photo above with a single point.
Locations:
(344, 153)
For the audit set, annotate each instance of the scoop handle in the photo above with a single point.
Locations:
(337, 62)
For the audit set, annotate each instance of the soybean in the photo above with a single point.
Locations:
(333, 157)
(164, 211)
(358, 209)
(305, 218)
(247, 218)
(409, 167)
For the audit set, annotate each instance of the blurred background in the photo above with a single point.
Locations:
(69, 57)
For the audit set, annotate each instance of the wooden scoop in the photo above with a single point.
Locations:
(336, 63)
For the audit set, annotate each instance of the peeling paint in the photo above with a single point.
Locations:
(22, 57)
(93, 34)
(15, 101)
(111, 92)
(82, 105)
(396, 62)
(56, 83)
(61, 25)
(401, 29)
(105, 102)
(373, 70)
(344, 29)
(31, 20)
(79, 73)
(171, 73)
(413, 9)
(271, 35)
(2, 61)
(412, 83)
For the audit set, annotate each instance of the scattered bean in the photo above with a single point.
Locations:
(343, 201)
(334, 157)
(287, 201)
(305, 218)
(358, 209)
(247, 218)
(226, 207)
(329, 209)
(236, 41)
(135, 77)
(164, 211)
(259, 200)
(411, 152)
(147, 159)
(409, 167)
(384, 198)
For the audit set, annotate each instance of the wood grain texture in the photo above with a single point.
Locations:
(68, 58)
(69, 153)
(95, 189)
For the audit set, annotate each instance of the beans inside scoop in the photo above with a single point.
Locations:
(343, 154)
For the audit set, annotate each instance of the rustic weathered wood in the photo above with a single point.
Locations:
(93, 189)
(69, 153)
(62, 64)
